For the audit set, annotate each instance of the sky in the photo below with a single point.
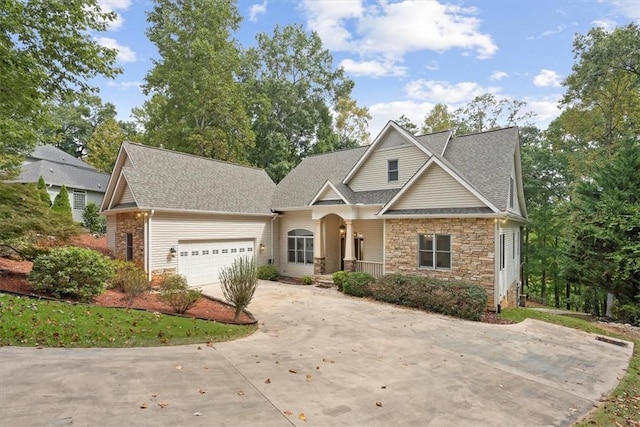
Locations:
(404, 56)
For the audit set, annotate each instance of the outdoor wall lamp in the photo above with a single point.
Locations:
(342, 230)
(262, 247)
(172, 251)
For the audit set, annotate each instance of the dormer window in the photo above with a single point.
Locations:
(392, 170)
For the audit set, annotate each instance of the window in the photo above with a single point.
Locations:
(511, 191)
(249, 249)
(502, 252)
(194, 253)
(79, 200)
(300, 246)
(234, 250)
(129, 247)
(215, 251)
(392, 170)
(225, 251)
(184, 253)
(205, 252)
(434, 251)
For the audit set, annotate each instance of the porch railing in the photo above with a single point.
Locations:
(373, 268)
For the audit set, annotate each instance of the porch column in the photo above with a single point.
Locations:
(349, 258)
(319, 261)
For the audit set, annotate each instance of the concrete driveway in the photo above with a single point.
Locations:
(321, 358)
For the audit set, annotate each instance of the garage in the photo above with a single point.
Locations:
(201, 262)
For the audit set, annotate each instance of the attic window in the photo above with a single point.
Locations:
(392, 170)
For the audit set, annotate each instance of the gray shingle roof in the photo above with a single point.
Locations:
(163, 179)
(435, 142)
(301, 184)
(59, 168)
(485, 160)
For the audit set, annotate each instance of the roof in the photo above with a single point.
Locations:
(59, 168)
(435, 142)
(301, 184)
(164, 179)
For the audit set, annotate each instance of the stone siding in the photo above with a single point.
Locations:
(472, 244)
(319, 265)
(130, 223)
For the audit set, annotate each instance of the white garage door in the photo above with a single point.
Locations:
(201, 262)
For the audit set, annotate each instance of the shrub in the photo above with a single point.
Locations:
(628, 313)
(458, 299)
(72, 272)
(239, 282)
(268, 272)
(357, 284)
(43, 193)
(307, 280)
(61, 204)
(339, 278)
(175, 292)
(130, 279)
(92, 220)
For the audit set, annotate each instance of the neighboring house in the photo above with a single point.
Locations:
(84, 182)
(438, 205)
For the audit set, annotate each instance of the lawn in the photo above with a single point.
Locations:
(622, 408)
(38, 323)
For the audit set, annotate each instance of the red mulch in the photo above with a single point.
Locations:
(13, 278)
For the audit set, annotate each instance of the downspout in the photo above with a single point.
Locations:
(271, 250)
(148, 246)
(496, 264)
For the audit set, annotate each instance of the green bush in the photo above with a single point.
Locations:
(175, 292)
(628, 313)
(61, 204)
(92, 220)
(43, 193)
(72, 272)
(358, 284)
(130, 279)
(339, 278)
(458, 299)
(307, 280)
(268, 272)
(239, 282)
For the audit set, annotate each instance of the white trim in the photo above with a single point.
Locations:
(322, 190)
(496, 265)
(446, 144)
(454, 175)
(191, 211)
(390, 124)
(117, 171)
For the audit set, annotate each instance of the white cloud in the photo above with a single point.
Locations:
(550, 32)
(547, 78)
(498, 75)
(605, 24)
(114, 6)
(125, 85)
(125, 54)
(256, 10)
(546, 109)
(373, 68)
(629, 9)
(446, 93)
(381, 113)
(397, 28)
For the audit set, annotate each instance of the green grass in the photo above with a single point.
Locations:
(31, 323)
(622, 407)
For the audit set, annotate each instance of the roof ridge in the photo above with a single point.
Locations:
(337, 151)
(487, 131)
(433, 133)
(167, 150)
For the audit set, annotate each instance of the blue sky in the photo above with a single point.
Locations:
(404, 56)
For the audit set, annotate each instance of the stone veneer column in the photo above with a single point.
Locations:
(130, 223)
(349, 265)
(319, 265)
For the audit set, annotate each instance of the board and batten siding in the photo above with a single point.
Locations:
(436, 189)
(511, 271)
(372, 174)
(372, 233)
(292, 221)
(111, 233)
(168, 229)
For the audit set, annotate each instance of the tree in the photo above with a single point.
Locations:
(605, 226)
(197, 105)
(438, 119)
(291, 82)
(406, 123)
(61, 204)
(486, 112)
(48, 50)
(92, 220)
(104, 144)
(43, 193)
(351, 123)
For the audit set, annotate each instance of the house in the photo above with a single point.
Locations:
(84, 182)
(446, 206)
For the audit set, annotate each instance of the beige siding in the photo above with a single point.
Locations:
(511, 271)
(332, 242)
(169, 228)
(372, 175)
(436, 189)
(393, 138)
(126, 196)
(291, 221)
(111, 233)
(329, 194)
(372, 232)
(516, 202)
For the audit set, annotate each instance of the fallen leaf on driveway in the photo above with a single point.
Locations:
(240, 393)
(267, 381)
(378, 403)
(143, 406)
(293, 371)
(197, 414)
(154, 395)
(178, 367)
(309, 378)
(202, 391)
(303, 417)
(163, 404)
(288, 413)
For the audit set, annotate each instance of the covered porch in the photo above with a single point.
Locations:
(347, 239)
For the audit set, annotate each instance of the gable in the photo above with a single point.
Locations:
(329, 194)
(372, 173)
(436, 188)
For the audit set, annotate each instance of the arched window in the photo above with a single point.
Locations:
(300, 246)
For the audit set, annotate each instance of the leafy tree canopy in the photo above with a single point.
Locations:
(104, 144)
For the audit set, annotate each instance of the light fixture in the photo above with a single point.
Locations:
(342, 229)
(262, 248)
(172, 251)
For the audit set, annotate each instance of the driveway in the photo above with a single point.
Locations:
(321, 358)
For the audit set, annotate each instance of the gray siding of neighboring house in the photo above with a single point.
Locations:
(90, 196)
(435, 188)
